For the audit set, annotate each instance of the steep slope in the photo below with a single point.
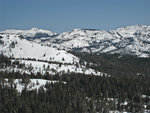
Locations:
(37, 58)
(133, 40)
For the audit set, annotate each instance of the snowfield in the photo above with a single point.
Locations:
(15, 47)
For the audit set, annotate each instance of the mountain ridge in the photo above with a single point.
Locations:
(133, 40)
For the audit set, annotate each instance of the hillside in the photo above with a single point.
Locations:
(38, 58)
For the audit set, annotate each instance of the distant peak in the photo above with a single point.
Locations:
(34, 29)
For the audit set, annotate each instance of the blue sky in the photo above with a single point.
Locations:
(65, 15)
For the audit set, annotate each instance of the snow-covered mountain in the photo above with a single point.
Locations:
(39, 58)
(33, 33)
(133, 40)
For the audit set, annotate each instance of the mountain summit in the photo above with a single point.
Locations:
(32, 33)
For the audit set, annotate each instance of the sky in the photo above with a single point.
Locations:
(64, 15)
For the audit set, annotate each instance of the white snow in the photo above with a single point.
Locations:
(51, 68)
(27, 49)
(34, 84)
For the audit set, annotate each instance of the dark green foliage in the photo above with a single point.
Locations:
(80, 94)
(4, 61)
(116, 64)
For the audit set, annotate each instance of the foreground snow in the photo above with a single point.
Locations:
(51, 68)
(34, 84)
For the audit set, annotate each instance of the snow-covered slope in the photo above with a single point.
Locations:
(134, 40)
(37, 58)
(33, 33)
(13, 46)
(28, 67)
(34, 84)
